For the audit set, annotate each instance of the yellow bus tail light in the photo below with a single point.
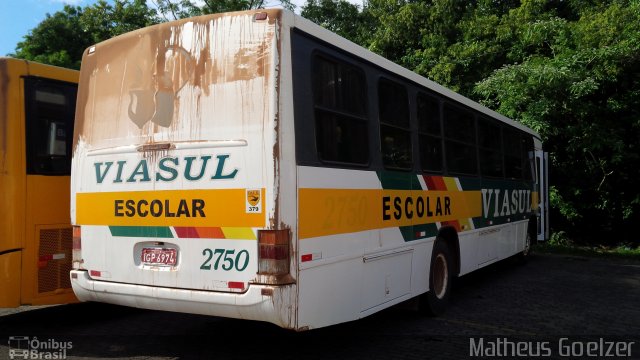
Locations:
(273, 246)
(76, 248)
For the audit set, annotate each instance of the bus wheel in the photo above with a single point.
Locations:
(523, 256)
(440, 280)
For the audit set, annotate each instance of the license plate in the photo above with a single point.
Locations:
(158, 256)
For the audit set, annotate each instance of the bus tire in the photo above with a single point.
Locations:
(525, 254)
(435, 301)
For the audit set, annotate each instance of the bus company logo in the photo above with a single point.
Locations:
(501, 202)
(24, 347)
(253, 197)
(168, 169)
(253, 201)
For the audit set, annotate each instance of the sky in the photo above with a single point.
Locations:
(17, 17)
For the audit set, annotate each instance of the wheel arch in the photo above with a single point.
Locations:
(449, 235)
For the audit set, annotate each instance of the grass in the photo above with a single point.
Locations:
(566, 248)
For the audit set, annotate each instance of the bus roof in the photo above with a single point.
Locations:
(32, 68)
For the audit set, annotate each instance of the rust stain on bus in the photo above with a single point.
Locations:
(146, 76)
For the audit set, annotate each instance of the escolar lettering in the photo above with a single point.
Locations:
(159, 208)
(419, 207)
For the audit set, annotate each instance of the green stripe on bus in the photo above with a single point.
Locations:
(392, 180)
(422, 231)
(141, 231)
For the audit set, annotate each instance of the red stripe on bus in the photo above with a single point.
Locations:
(199, 232)
(439, 183)
(429, 182)
(210, 232)
(186, 232)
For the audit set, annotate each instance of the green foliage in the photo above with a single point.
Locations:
(57, 40)
(180, 9)
(61, 38)
(576, 82)
(560, 238)
(103, 21)
(341, 17)
(562, 245)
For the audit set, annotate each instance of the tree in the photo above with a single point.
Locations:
(61, 38)
(103, 21)
(578, 84)
(179, 9)
(57, 40)
(340, 17)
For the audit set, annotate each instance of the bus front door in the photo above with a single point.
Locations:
(542, 184)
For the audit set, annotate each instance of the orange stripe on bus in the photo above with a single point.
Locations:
(325, 212)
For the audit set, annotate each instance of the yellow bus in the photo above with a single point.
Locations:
(257, 166)
(37, 105)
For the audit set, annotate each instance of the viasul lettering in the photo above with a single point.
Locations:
(502, 202)
(191, 168)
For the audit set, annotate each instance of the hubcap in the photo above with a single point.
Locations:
(440, 276)
(527, 245)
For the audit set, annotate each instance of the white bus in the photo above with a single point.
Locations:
(254, 165)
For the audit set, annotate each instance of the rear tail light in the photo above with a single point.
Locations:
(260, 16)
(76, 248)
(273, 247)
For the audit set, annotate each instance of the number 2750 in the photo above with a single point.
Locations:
(229, 261)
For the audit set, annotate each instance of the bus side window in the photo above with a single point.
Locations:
(395, 133)
(490, 148)
(460, 140)
(50, 107)
(340, 112)
(512, 154)
(528, 155)
(430, 134)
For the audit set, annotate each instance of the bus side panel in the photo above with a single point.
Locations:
(12, 176)
(330, 294)
(10, 279)
(47, 254)
(370, 268)
(336, 257)
(12, 163)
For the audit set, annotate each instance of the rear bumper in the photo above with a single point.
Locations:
(276, 308)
